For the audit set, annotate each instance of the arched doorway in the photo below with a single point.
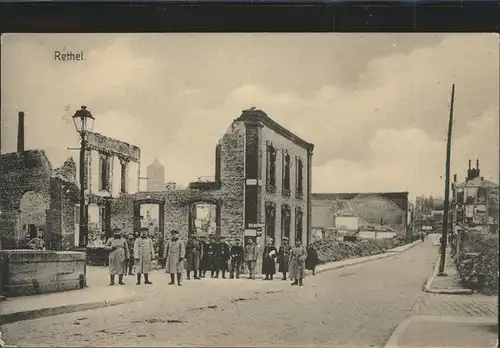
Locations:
(150, 213)
(204, 217)
(32, 217)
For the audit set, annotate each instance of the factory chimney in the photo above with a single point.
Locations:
(20, 133)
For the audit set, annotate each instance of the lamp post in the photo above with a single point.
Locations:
(84, 122)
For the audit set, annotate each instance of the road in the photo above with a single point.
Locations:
(357, 306)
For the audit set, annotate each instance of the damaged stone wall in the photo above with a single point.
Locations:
(232, 171)
(30, 173)
(27, 171)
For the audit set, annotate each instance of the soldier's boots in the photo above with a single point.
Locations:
(223, 274)
(172, 279)
(138, 279)
(112, 279)
(295, 282)
(188, 273)
(146, 279)
(179, 276)
(300, 282)
(284, 275)
(120, 279)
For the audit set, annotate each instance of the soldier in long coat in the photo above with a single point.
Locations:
(283, 257)
(221, 257)
(237, 256)
(268, 260)
(298, 256)
(143, 253)
(118, 254)
(194, 253)
(207, 262)
(175, 253)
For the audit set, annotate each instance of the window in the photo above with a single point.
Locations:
(104, 172)
(271, 169)
(286, 173)
(299, 179)
(285, 221)
(124, 176)
(298, 223)
(270, 220)
(77, 214)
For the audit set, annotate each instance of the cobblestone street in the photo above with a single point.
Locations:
(356, 306)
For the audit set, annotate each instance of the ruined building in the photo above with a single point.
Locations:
(261, 187)
(34, 197)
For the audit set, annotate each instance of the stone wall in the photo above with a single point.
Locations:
(232, 162)
(20, 173)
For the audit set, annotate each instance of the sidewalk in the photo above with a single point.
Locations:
(446, 284)
(99, 294)
(449, 316)
(445, 331)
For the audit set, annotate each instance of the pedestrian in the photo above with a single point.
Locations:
(37, 243)
(204, 258)
(268, 260)
(283, 257)
(194, 251)
(161, 249)
(144, 253)
(298, 256)
(221, 256)
(237, 254)
(130, 260)
(250, 257)
(209, 254)
(312, 259)
(118, 254)
(175, 253)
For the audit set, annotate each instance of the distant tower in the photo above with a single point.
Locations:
(156, 176)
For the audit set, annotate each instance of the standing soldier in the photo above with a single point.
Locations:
(117, 256)
(130, 260)
(237, 254)
(193, 256)
(268, 257)
(144, 254)
(209, 256)
(204, 258)
(221, 256)
(175, 252)
(298, 257)
(312, 259)
(250, 257)
(283, 257)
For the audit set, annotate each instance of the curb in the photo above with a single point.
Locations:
(392, 342)
(430, 280)
(52, 311)
(382, 256)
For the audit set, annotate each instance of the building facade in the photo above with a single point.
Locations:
(112, 170)
(475, 202)
(277, 172)
(155, 176)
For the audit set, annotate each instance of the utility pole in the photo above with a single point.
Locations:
(447, 189)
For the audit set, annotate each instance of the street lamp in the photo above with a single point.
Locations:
(84, 122)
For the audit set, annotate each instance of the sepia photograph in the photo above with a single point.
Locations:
(253, 190)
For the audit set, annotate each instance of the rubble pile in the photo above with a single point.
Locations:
(331, 249)
(479, 271)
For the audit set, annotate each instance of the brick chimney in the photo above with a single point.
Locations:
(20, 132)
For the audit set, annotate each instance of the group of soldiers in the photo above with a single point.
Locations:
(202, 254)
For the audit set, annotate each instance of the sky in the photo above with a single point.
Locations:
(376, 106)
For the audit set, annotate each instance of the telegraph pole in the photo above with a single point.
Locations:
(447, 189)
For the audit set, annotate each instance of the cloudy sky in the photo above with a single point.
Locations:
(375, 105)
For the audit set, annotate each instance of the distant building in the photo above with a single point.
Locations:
(475, 201)
(156, 176)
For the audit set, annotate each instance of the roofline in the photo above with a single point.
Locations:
(255, 115)
(360, 193)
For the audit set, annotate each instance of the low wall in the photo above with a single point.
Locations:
(30, 272)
